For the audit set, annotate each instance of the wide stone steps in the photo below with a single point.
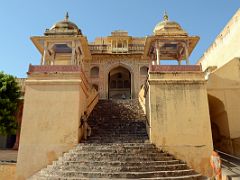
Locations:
(118, 140)
(119, 168)
(119, 158)
(118, 148)
(117, 163)
(131, 175)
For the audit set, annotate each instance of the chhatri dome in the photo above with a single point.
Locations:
(64, 27)
(168, 28)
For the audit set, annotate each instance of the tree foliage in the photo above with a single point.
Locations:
(9, 97)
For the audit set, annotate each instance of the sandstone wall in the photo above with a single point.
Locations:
(50, 126)
(177, 109)
(8, 171)
(223, 88)
(226, 45)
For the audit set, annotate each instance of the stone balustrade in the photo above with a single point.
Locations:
(175, 68)
(53, 68)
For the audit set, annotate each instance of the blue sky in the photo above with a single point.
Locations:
(22, 19)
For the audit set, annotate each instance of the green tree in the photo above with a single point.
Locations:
(9, 96)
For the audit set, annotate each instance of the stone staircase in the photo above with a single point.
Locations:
(118, 148)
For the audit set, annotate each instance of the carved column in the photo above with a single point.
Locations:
(44, 53)
(52, 53)
(73, 52)
(158, 55)
(180, 53)
(186, 52)
(158, 45)
(187, 55)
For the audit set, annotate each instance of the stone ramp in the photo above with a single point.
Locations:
(117, 149)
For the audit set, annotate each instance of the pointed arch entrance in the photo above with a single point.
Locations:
(119, 83)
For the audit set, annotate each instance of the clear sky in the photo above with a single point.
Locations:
(21, 19)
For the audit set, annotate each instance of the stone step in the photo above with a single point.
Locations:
(123, 133)
(191, 177)
(84, 155)
(116, 150)
(117, 163)
(110, 122)
(105, 132)
(123, 128)
(125, 145)
(119, 158)
(151, 174)
(117, 138)
(117, 141)
(117, 168)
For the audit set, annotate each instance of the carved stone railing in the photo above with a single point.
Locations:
(53, 68)
(175, 68)
(106, 48)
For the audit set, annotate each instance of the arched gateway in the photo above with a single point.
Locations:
(119, 83)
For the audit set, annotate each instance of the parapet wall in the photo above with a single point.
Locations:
(178, 116)
(225, 47)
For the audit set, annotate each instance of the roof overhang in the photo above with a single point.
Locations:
(168, 41)
(38, 41)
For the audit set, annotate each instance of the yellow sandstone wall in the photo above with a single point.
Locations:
(177, 110)
(7, 171)
(50, 126)
(223, 88)
(226, 45)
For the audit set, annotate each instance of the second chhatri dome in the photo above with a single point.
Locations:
(168, 28)
(64, 27)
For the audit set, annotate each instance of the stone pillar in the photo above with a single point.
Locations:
(73, 52)
(44, 53)
(122, 46)
(180, 50)
(158, 55)
(186, 53)
(187, 56)
(52, 55)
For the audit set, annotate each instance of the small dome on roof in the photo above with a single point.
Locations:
(64, 27)
(168, 28)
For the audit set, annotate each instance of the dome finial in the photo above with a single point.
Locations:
(165, 16)
(66, 16)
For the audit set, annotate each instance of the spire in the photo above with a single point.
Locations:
(66, 16)
(165, 16)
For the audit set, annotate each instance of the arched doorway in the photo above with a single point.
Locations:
(219, 125)
(119, 83)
